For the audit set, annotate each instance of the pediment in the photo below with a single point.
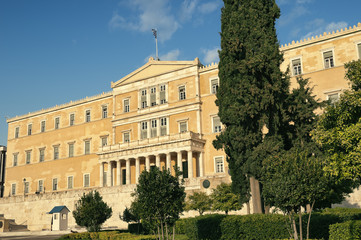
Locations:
(154, 68)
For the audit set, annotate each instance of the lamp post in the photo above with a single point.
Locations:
(24, 180)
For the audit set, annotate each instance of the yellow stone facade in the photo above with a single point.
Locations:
(162, 114)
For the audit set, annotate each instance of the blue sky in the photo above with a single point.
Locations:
(55, 51)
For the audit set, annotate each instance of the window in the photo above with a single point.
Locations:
(163, 126)
(144, 130)
(359, 50)
(126, 105)
(16, 132)
(86, 147)
(15, 160)
(296, 67)
(70, 182)
(143, 98)
(56, 152)
(42, 127)
(162, 94)
(87, 116)
(105, 179)
(28, 157)
(55, 184)
(217, 127)
(41, 154)
(333, 98)
(41, 186)
(214, 85)
(182, 92)
(26, 187)
(153, 128)
(153, 96)
(13, 189)
(86, 180)
(104, 141)
(30, 128)
(55, 216)
(328, 59)
(126, 137)
(104, 112)
(71, 149)
(219, 166)
(57, 122)
(182, 127)
(71, 119)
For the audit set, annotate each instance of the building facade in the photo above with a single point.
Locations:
(162, 114)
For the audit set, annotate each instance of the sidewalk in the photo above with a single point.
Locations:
(35, 233)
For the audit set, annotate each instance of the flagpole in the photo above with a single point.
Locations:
(154, 30)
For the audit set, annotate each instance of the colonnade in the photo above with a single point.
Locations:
(119, 171)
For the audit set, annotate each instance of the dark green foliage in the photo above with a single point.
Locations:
(223, 199)
(91, 211)
(347, 230)
(252, 89)
(112, 235)
(199, 201)
(137, 228)
(254, 227)
(160, 196)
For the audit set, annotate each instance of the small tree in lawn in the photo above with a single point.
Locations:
(91, 211)
(161, 198)
(199, 201)
(132, 214)
(223, 199)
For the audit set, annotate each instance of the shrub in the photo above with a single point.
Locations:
(254, 227)
(347, 230)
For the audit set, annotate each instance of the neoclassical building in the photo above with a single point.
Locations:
(162, 114)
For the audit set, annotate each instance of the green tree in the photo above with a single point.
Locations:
(161, 197)
(199, 201)
(252, 91)
(91, 211)
(339, 129)
(223, 199)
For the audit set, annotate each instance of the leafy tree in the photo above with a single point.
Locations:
(199, 201)
(252, 91)
(132, 214)
(160, 196)
(339, 129)
(223, 199)
(91, 211)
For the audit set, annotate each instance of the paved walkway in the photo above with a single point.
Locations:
(33, 235)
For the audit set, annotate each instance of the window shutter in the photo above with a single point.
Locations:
(162, 96)
(152, 98)
(183, 127)
(327, 54)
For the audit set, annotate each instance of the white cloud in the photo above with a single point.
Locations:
(210, 55)
(319, 26)
(208, 7)
(187, 9)
(296, 12)
(149, 14)
(170, 56)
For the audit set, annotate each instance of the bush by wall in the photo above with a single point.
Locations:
(113, 235)
(350, 230)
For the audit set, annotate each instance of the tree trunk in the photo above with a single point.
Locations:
(295, 234)
(300, 222)
(256, 195)
(248, 207)
(173, 232)
(158, 232)
(309, 220)
(161, 227)
(166, 230)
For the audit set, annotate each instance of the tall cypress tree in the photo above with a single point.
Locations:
(252, 91)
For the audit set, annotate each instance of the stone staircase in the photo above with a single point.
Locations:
(13, 227)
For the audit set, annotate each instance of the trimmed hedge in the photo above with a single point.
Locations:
(254, 227)
(350, 230)
(113, 235)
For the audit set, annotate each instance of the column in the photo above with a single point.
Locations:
(190, 164)
(147, 163)
(157, 160)
(137, 169)
(179, 163)
(200, 159)
(127, 171)
(109, 174)
(101, 175)
(118, 172)
(168, 156)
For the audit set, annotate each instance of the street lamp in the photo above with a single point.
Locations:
(24, 180)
